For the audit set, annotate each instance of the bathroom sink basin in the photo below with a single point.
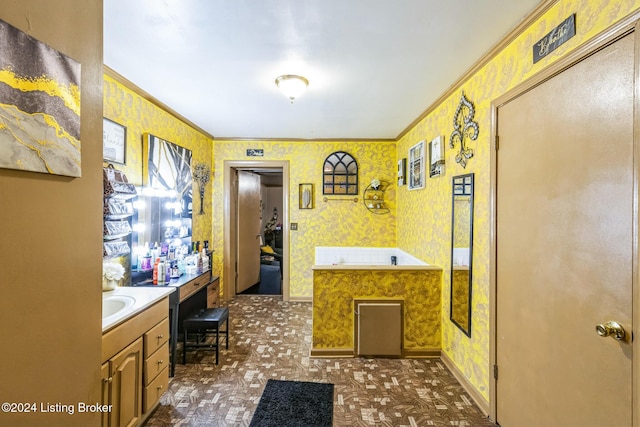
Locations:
(115, 304)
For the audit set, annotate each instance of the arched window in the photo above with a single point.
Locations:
(340, 174)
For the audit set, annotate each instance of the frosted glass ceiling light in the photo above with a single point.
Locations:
(292, 86)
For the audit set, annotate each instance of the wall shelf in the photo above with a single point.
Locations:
(373, 199)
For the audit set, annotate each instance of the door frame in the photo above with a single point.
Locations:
(228, 270)
(628, 25)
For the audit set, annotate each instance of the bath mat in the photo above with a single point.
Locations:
(294, 403)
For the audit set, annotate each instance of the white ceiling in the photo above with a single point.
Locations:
(373, 66)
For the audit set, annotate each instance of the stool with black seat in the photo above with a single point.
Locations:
(204, 322)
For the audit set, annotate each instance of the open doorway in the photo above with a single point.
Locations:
(256, 195)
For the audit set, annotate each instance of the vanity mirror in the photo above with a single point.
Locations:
(461, 251)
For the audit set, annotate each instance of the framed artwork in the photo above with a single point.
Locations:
(167, 166)
(305, 196)
(40, 104)
(436, 157)
(402, 171)
(114, 142)
(416, 166)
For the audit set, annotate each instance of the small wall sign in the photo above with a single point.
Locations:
(255, 152)
(555, 38)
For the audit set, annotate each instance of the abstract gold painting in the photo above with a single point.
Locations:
(39, 106)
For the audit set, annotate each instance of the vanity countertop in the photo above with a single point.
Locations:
(137, 299)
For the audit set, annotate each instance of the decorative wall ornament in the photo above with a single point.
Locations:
(464, 127)
(202, 175)
(340, 174)
(40, 105)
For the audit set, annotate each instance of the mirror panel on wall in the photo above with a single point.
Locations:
(163, 211)
(340, 174)
(461, 251)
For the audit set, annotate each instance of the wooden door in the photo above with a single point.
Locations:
(565, 216)
(248, 254)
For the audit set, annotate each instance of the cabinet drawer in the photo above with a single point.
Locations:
(153, 391)
(155, 363)
(213, 294)
(191, 287)
(156, 337)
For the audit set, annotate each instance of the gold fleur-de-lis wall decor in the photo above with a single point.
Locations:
(464, 128)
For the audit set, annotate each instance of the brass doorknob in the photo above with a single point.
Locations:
(612, 329)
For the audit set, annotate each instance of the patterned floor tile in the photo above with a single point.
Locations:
(270, 338)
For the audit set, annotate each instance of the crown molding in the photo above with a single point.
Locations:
(145, 95)
(526, 22)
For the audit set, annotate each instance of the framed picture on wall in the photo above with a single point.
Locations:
(114, 142)
(305, 196)
(416, 166)
(436, 157)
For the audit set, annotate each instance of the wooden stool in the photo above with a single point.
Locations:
(203, 322)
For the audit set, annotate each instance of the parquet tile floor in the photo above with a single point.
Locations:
(270, 338)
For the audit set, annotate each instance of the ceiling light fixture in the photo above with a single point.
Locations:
(292, 86)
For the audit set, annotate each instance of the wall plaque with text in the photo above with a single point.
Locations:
(555, 38)
(255, 152)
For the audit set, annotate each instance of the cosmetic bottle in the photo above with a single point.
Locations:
(161, 273)
(155, 271)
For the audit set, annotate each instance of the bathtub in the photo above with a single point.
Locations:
(328, 257)
(342, 276)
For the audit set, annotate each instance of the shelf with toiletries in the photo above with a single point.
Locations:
(118, 199)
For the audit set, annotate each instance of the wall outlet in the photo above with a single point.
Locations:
(294, 226)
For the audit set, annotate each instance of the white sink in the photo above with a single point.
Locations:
(114, 304)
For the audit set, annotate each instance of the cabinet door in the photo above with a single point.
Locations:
(106, 387)
(126, 386)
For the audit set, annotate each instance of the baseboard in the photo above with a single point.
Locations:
(428, 353)
(423, 353)
(482, 403)
(332, 352)
(301, 299)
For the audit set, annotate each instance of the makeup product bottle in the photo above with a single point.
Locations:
(161, 272)
(155, 271)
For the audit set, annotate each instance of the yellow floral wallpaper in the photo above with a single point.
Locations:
(430, 238)
(420, 221)
(328, 223)
(335, 290)
(139, 116)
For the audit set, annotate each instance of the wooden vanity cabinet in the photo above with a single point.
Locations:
(106, 380)
(156, 364)
(213, 293)
(135, 356)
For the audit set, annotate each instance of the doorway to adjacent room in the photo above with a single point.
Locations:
(256, 195)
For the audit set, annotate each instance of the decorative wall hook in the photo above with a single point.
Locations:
(464, 127)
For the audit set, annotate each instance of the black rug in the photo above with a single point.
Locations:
(294, 403)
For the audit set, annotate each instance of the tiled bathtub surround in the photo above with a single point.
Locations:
(355, 255)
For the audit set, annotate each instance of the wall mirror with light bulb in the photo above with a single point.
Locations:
(162, 222)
